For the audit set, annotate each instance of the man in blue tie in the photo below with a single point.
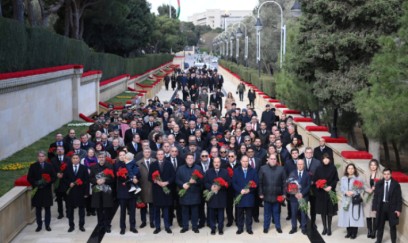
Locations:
(303, 179)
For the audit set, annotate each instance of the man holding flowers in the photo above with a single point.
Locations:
(41, 175)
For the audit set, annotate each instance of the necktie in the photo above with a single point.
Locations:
(308, 164)
(60, 158)
(386, 192)
(161, 166)
(147, 164)
(216, 172)
(75, 169)
(135, 146)
(151, 124)
(77, 151)
(174, 163)
(42, 165)
(245, 173)
(300, 175)
(133, 131)
(252, 163)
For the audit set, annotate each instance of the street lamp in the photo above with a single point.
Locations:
(225, 16)
(296, 9)
(259, 26)
(239, 35)
(231, 45)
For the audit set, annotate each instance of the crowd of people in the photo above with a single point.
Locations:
(186, 161)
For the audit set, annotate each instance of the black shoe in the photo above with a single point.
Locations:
(239, 232)
(288, 218)
(47, 228)
(93, 214)
(133, 230)
(324, 232)
(81, 228)
(229, 224)
(329, 231)
(201, 226)
(88, 214)
(250, 232)
(279, 230)
(168, 230)
(304, 232)
(156, 231)
(60, 216)
(213, 231)
(142, 225)
(183, 230)
(38, 229)
(152, 225)
(122, 231)
(196, 231)
(71, 229)
(265, 231)
(108, 230)
(220, 232)
(256, 220)
(292, 231)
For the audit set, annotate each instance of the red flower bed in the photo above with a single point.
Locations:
(317, 129)
(400, 177)
(85, 118)
(335, 140)
(356, 155)
(22, 181)
(131, 89)
(291, 112)
(302, 119)
(280, 106)
(273, 101)
(265, 96)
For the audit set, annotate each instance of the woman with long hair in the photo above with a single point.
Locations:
(351, 216)
(297, 143)
(324, 206)
(228, 101)
(371, 179)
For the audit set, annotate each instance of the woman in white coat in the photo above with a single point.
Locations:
(351, 216)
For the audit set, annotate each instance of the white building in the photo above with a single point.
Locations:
(215, 18)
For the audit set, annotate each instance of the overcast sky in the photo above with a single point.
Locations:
(190, 7)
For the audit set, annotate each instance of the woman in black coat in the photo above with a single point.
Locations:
(251, 97)
(324, 206)
(43, 196)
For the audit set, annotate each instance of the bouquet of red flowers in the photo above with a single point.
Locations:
(280, 199)
(108, 173)
(293, 187)
(322, 184)
(77, 182)
(220, 182)
(370, 195)
(195, 176)
(122, 173)
(105, 174)
(45, 178)
(140, 203)
(251, 184)
(156, 177)
(358, 185)
(62, 168)
(230, 172)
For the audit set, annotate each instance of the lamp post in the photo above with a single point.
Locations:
(259, 26)
(239, 35)
(225, 16)
(231, 45)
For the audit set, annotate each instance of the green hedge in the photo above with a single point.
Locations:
(24, 48)
(266, 83)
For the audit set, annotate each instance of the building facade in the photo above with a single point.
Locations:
(217, 18)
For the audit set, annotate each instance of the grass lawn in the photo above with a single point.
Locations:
(160, 73)
(28, 154)
(147, 82)
(121, 98)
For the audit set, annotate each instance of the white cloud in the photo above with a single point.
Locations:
(190, 7)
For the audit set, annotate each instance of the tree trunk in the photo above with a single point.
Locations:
(366, 142)
(317, 115)
(386, 151)
(397, 156)
(353, 138)
(67, 18)
(30, 13)
(81, 29)
(1, 11)
(374, 148)
(334, 128)
(18, 10)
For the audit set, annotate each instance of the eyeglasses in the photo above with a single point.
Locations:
(247, 140)
(223, 152)
(231, 156)
(182, 142)
(204, 155)
(250, 151)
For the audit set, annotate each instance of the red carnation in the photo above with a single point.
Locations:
(292, 188)
(63, 167)
(230, 172)
(376, 180)
(197, 175)
(357, 185)
(122, 172)
(156, 177)
(221, 182)
(108, 172)
(52, 150)
(280, 199)
(70, 154)
(252, 184)
(77, 182)
(46, 177)
(321, 183)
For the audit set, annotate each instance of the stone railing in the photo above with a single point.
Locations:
(311, 139)
(14, 213)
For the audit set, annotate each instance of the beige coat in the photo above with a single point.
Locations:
(228, 103)
(145, 184)
(367, 204)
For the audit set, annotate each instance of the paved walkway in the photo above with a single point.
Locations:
(59, 227)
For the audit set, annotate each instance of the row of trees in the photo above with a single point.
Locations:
(123, 27)
(346, 67)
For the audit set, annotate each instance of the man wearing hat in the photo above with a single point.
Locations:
(268, 116)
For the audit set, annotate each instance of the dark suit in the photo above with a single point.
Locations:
(202, 214)
(218, 202)
(129, 135)
(305, 188)
(53, 146)
(131, 148)
(43, 196)
(290, 166)
(230, 196)
(176, 205)
(318, 153)
(282, 156)
(311, 169)
(258, 201)
(217, 100)
(161, 200)
(62, 187)
(386, 209)
(88, 145)
(76, 195)
(245, 206)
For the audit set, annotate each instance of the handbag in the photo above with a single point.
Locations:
(356, 199)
